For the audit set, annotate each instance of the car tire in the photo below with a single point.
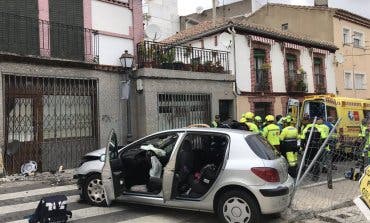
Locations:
(93, 191)
(238, 206)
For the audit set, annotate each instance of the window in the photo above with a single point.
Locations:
(291, 61)
(259, 60)
(284, 26)
(346, 36)
(180, 110)
(319, 77)
(360, 81)
(357, 39)
(261, 147)
(202, 43)
(348, 81)
(216, 41)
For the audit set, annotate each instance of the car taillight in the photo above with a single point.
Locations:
(267, 174)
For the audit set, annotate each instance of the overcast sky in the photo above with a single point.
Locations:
(361, 7)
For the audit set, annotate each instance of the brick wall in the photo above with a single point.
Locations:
(138, 27)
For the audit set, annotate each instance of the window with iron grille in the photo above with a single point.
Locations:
(66, 29)
(177, 110)
(19, 27)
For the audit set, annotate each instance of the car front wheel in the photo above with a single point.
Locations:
(238, 206)
(93, 190)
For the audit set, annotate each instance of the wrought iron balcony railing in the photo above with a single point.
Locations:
(187, 58)
(34, 37)
(320, 86)
(262, 81)
(296, 82)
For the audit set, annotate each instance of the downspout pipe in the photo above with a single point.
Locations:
(232, 31)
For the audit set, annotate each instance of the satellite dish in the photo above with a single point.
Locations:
(226, 39)
(199, 9)
(339, 58)
(153, 32)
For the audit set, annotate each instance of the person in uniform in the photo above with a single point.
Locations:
(288, 146)
(216, 123)
(249, 116)
(271, 132)
(259, 123)
(313, 148)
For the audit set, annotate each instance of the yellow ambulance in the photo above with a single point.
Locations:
(351, 110)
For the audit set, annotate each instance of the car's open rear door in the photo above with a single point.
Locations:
(112, 182)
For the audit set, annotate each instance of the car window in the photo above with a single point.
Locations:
(261, 147)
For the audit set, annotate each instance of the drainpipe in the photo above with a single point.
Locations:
(232, 31)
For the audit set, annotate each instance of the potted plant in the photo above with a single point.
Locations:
(208, 66)
(218, 67)
(188, 51)
(301, 86)
(145, 55)
(195, 63)
(178, 65)
(266, 66)
(167, 58)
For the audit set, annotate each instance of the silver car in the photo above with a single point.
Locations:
(235, 174)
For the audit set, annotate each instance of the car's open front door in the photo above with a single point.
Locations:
(111, 175)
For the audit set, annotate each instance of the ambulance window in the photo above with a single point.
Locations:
(331, 112)
(314, 108)
(366, 114)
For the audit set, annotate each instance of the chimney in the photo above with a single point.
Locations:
(321, 3)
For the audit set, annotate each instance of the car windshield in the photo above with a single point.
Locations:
(261, 147)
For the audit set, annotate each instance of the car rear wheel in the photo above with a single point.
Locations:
(238, 206)
(93, 190)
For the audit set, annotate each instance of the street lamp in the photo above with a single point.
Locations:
(127, 60)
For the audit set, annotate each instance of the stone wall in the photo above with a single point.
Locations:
(219, 86)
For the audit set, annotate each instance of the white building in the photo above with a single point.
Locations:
(270, 65)
(119, 25)
(161, 17)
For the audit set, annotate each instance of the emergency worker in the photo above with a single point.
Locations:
(249, 116)
(313, 148)
(324, 130)
(271, 132)
(259, 123)
(216, 123)
(288, 146)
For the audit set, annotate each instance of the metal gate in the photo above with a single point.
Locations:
(52, 121)
(177, 110)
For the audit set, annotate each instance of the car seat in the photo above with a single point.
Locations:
(185, 166)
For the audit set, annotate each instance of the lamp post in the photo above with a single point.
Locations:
(127, 60)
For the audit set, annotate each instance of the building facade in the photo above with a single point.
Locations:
(60, 85)
(269, 65)
(348, 31)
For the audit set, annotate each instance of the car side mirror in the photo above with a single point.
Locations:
(112, 145)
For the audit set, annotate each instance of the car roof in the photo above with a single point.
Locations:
(212, 130)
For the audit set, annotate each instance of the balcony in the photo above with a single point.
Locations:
(296, 83)
(320, 86)
(33, 37)
(186, 58)
(262, 81)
